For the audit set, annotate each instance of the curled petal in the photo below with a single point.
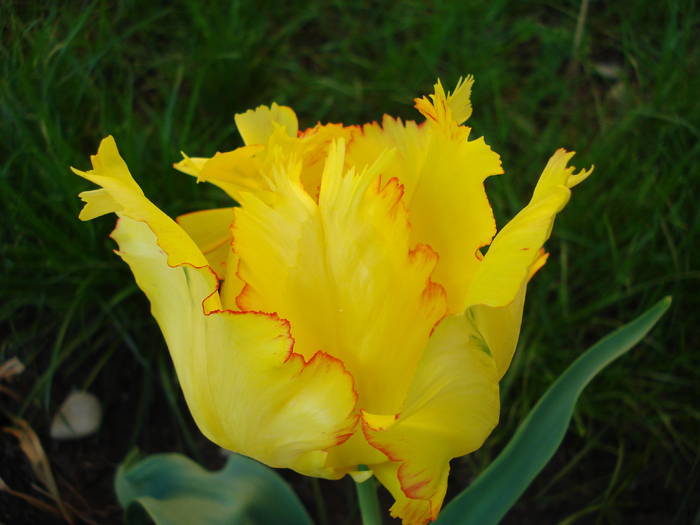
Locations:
(411, 511)
(516, 248)
(247, 389)
(497, 291)
(451, 408)
(121, 194)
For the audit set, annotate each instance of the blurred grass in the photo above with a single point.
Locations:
(165, 77)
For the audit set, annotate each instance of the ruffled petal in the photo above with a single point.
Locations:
(233, 171)
(410, 511)
(312, 149)
(448, 109)
(443, 173)
(256, 125)
(451, 407)
(243, 169)
(341, 271)
(245, 386)
(121, 194)
(516, 248)
(497, 293)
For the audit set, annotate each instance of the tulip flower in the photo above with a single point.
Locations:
(347, 317)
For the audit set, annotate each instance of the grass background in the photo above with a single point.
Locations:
(616, 81)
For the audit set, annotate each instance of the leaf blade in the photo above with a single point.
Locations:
(174, 490)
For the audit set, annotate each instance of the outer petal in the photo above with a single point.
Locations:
(497, 291)
(342, 273)
(122, 195)
(345, 458)
(246, 388)
(500, 326)
(451, 408)
(443, 173)
(515, 249)
(410, 511)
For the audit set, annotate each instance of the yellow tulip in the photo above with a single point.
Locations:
(344, 314)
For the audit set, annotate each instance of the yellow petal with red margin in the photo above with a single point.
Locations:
(342, 273)
(451, 407)
(312, 148)
(447, 108)
(121, 194)
(408, 140)
(443, 173)
(256, 125)
(210, 229)
(516, 248)
(410, 511)
(514, 256)
(246, 388)
(356, 451)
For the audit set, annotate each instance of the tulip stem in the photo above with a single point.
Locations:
(369, 503)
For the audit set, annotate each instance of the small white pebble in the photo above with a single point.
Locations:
(608, 70)
(79, 416)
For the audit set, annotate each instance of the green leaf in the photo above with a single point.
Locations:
(497, 489)
(174, 490)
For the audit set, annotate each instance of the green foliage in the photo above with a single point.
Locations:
(498, 487)
(167, 76)
(174, 490)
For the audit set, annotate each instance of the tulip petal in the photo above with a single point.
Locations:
(451, 408)
(246, 387)
(410, 511)
(500, 326)
(256, 125)
(497, 291)
(233, 171)
(341, 271)
(242, 170)
(516, 248)
(210, 229)
(443, 173)
(312, 147)
(447, 109)
(121, 194)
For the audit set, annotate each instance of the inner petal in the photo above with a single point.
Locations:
(343, 273)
